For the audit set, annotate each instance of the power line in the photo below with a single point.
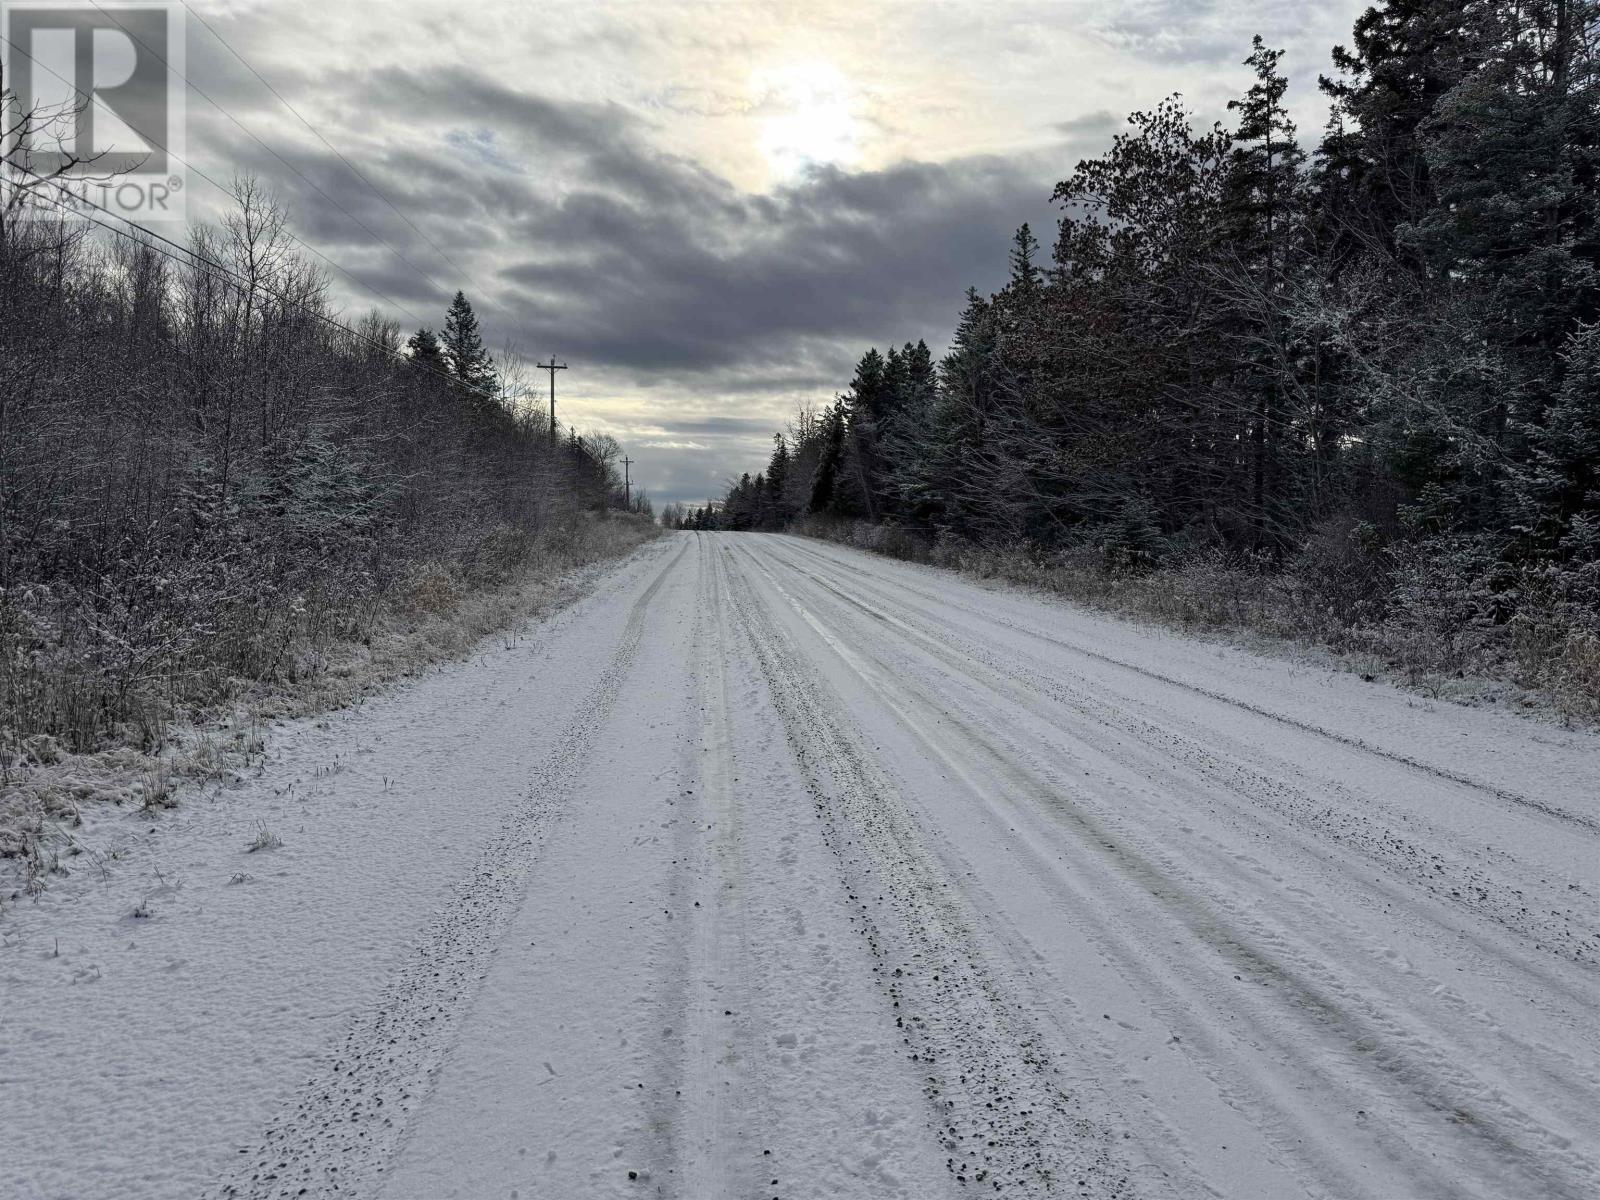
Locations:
(307, 246)
(552, 366)
(206, 96)
(317, 133)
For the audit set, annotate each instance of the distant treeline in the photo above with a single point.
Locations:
(204, 477)
(1369, 374)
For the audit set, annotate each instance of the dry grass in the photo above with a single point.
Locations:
(264, 839)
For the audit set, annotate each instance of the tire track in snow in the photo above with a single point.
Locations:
(1512, 1142)
(1541, 913)
(995, 1096)
(785, 1078)
(720, 1108)
(350, 1117)
(1582, 820)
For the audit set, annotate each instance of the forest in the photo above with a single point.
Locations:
(210, 481)
(1344, 388)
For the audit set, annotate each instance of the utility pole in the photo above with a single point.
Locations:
(627, 484)
(552, 366)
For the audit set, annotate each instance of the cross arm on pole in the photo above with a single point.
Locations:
(552, 366)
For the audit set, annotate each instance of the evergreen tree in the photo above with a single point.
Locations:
(825, 483)
(1025, 276)
(740, 508)
(424, 354)
(463, 347)
(1137, 333)
(958, 411)
(1511, 152)
(1406, 55)
(868, 406)
(774, 507)
(1561, 487)
(1262, 210)
(903, 431)
(1263, 180)
(1381, 369)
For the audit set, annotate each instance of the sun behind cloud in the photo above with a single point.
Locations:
(810, 119)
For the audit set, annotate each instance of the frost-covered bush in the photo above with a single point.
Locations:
(1340, 579)
(890, 539)
(1575, 679)
(1450, 603)
(200, 496)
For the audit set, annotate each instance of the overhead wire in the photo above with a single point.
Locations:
(317, 133)
(226, 191)
(248, 132)
(191, 257)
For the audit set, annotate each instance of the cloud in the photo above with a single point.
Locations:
(646, 268)
(587, 211)
(588, 234)
(1098, 126)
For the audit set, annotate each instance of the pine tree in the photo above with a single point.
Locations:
(424, 354)
(902, 434)
(825, 483)
(1135, 345)
(1386, 365)
(1263, 182)
(1262, 200)
(775, 514)
(1511, 150)
(1562, 483)
(1020, 315)
(1025, 276)
(463, 348)
(1407, 54)
(868, 406)
(958, 418)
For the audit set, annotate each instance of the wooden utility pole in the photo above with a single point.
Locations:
(627, 484)
(552, 366)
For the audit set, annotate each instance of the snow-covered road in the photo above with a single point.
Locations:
(772, 869)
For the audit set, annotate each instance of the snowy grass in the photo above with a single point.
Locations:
(265, 839)
(1423, 634)
(439, 612)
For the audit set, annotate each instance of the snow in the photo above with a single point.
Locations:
(771, 868)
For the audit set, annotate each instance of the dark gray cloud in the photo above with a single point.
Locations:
(646, 280)
(637, 258)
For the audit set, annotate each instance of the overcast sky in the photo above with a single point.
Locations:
(708, 210)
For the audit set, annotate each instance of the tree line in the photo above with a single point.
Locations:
(205, 476)
(1370, 363)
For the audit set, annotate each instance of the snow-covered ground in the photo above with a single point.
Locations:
(775, 869)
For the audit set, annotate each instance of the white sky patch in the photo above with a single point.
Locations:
(813, 120)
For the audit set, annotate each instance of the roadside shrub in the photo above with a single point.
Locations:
(1341, 576)
(1449, 607)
